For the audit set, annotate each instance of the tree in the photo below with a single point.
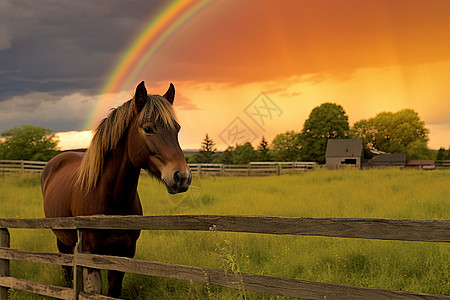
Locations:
(442, 154)
(263, 150)
(287, 146)
(226, 157)
(393, 132)
(364, 130)
(28, 143)
(327, 121)
(418, 150)
(243, 154)
(207, 151)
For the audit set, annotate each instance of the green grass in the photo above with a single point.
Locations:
(392, 193)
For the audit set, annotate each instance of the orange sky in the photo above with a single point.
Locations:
(368, 56)
(242, 41)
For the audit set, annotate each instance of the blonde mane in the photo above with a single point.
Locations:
(110, 132)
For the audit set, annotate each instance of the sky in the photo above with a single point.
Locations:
(241, 69)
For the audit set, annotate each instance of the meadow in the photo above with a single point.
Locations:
(389, 193)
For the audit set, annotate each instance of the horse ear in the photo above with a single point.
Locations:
(140, 97)
(170, 94)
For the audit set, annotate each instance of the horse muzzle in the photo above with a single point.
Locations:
(179, 181)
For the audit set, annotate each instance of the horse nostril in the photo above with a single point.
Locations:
(176, 177)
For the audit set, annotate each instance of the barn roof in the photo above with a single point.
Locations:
(389, 158)
(344, 148)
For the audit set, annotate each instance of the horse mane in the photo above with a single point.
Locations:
(110, 132)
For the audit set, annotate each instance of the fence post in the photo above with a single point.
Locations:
(78, 270)
(4, 263)
(85, 279)
(22, 166)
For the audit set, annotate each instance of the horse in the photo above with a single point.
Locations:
(142, 133)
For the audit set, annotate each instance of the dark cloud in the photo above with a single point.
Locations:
(64, 46)
(57, 112)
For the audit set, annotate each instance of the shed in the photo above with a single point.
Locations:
(344, 152)
(421, 164)
(388, 160)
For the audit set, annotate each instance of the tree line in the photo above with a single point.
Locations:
(400, 132)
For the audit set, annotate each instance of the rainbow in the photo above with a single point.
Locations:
(142, 48)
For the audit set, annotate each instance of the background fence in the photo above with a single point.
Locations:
(21, 166)
(253, 168)
(87, 283)
(442, 164)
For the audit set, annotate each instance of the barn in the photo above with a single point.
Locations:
(344, 152)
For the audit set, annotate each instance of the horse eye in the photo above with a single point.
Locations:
(148, 130)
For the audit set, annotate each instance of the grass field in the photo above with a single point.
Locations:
(392, 193)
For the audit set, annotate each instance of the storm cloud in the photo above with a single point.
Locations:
(62, 47)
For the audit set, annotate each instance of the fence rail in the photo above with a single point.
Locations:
(21, 166)
(386, 229)
(442, 164)
(253, 168)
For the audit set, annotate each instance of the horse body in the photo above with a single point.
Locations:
(115, 194)
(105, 179)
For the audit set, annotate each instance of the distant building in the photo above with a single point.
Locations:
(350, 152)
(344, 152)
(421, 164)
(388, 160)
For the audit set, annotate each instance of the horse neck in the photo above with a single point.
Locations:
(118, 183)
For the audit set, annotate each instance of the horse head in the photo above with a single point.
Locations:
(153, 139)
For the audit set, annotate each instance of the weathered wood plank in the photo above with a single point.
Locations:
(384, 229)
(250, 282)
(33, 162)
(91, 296)
(43, 223)
(37, 257)
(37, 288)
(4, 263)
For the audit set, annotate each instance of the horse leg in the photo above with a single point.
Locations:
(68, 271)
(115, 279)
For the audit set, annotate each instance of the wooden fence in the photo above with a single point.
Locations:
(253, 168)
(86, 279)
(442, 164)
(21, 166)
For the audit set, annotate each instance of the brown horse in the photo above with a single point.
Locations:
(140, 134)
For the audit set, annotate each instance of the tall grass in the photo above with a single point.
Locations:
(392, 193)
